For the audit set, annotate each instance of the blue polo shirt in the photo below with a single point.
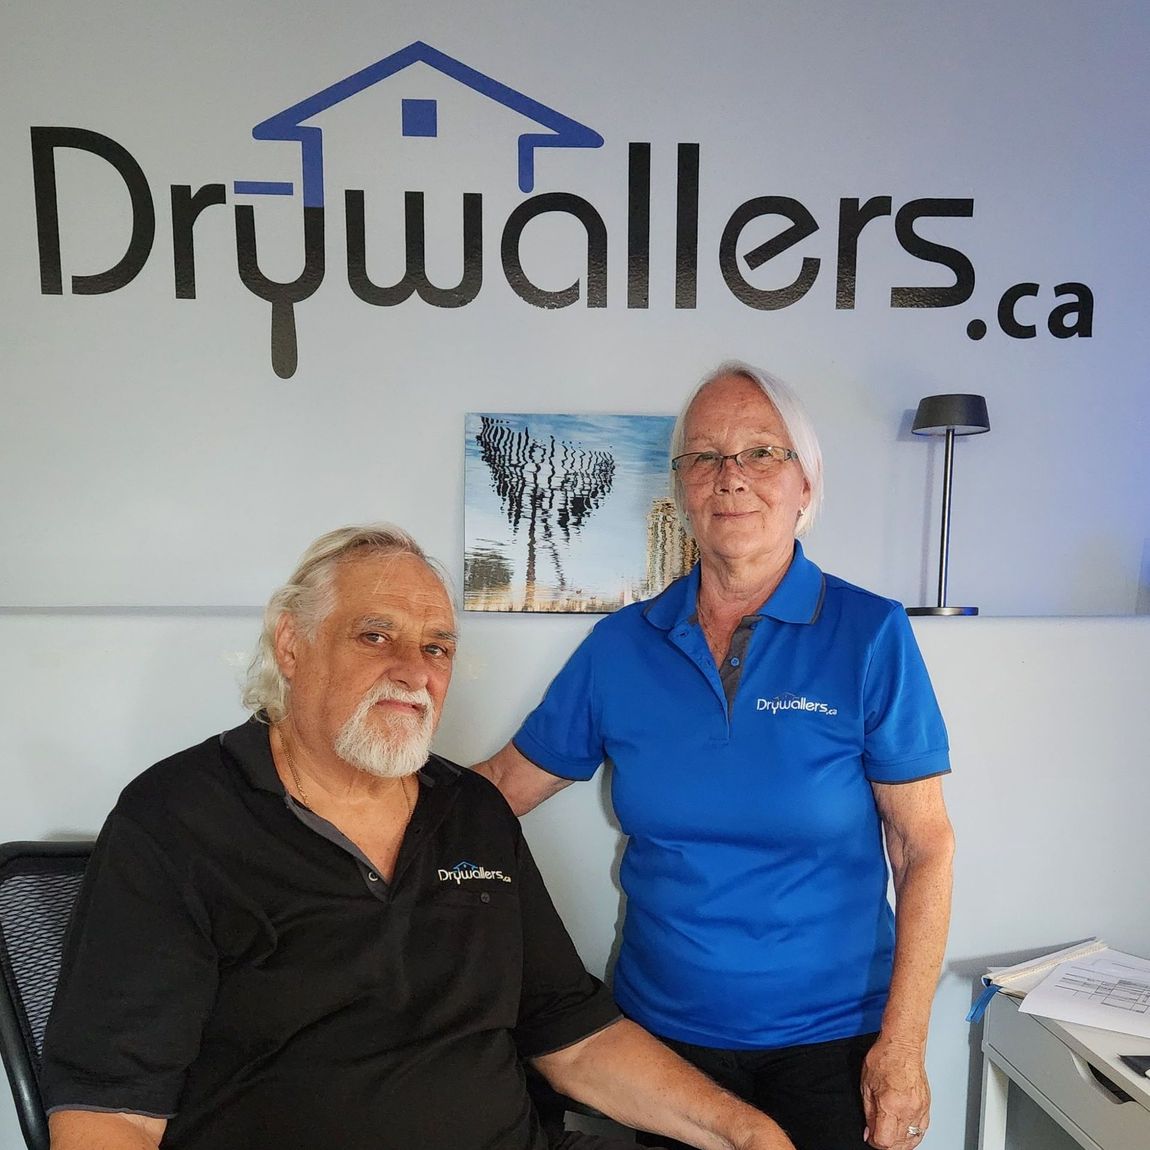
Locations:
(756, 881)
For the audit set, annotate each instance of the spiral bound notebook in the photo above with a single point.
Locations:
(1017, 980)
(1022, 977)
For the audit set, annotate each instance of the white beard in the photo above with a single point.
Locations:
(388, 745)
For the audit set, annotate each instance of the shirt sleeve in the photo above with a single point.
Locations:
(138, 979)
(560, 1002)
(905, 736)
(563, 734)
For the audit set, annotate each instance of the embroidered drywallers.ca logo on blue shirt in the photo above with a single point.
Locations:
(463, 871)
(789, 702)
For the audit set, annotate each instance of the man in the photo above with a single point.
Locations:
(310, 933)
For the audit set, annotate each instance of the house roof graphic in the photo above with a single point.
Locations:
(419, 119)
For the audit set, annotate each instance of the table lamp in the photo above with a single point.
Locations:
(948, 415)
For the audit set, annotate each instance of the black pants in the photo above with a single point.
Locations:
(812, 1091)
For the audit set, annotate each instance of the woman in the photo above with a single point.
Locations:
(769, 727)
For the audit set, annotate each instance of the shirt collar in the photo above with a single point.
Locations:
(797, 599)
(249, 746)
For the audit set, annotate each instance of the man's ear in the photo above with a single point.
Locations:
(287, 640)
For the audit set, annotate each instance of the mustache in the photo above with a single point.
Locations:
(392, 692)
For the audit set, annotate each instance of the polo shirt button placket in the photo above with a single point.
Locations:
(372, 876)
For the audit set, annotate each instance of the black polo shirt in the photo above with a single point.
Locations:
(236, 966)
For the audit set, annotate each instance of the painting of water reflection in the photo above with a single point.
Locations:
(569, 512)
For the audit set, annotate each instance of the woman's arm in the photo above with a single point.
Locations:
(920, 845)
(524, 785)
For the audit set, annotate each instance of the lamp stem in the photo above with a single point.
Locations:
(944, 545)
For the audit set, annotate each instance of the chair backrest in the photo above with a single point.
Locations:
(38, 886)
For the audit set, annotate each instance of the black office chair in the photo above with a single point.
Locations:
(38, 885)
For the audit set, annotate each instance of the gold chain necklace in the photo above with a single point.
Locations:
(303, 793)
(294, 773)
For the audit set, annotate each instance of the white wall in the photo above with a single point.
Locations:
(158, 478)
(149, 438)
(1049, 796)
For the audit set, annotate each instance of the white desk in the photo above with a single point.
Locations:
(1057, 1065)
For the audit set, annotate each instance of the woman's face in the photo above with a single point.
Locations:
(736, 516)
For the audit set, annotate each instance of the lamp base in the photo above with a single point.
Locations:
(942, 610)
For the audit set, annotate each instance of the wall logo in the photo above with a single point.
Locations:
(787, 702)
(542, 128)
(465, 871)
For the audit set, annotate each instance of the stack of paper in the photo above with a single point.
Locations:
(1104, 988)
(1023, 977)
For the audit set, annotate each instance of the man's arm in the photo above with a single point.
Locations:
(920, 844)
(636, 1080)
(524, 785)
(138, 977)
(89, 1130)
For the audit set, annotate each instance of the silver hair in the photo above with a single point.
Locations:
(795, 419)
(309, 596)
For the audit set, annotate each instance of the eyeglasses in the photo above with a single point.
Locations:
(701, 466)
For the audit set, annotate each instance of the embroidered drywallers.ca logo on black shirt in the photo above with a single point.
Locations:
(465, 871)
(543, 128)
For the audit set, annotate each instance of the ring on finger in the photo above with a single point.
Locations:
(915, 1131)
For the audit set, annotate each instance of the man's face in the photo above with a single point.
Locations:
(370, 685)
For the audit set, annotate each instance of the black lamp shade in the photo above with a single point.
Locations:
(962, 414)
